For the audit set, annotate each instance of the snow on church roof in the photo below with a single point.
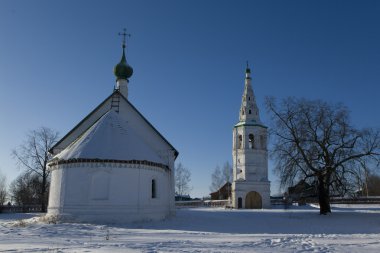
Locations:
(109, 138)
(57, 147)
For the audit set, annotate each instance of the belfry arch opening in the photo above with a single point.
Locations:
(253, 200)
(240, 141)
(251, 141)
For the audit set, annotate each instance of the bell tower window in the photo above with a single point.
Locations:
(240, 141)
(251, 141)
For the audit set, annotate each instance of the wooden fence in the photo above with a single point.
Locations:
(279, 202)
(20, 209)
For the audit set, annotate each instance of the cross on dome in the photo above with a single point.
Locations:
(124, 34)
(123, 70)
(247, 69)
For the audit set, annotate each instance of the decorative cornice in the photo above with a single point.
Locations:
(109, 161)
(249, 124)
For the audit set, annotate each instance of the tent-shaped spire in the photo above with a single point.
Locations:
(249, 112)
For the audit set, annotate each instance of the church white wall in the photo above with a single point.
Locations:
(55, 193)
(95, 192)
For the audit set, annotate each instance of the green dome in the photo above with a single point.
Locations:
(122, 70)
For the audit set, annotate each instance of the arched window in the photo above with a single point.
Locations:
(242, 112)
(240, 141)
(251, 141)
(100, 186)
(240, 203)
(249, 111)
(154, 192)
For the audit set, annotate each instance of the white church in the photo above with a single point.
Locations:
(113, 166)
(250, 186)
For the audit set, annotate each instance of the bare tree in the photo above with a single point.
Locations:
(217, 179)
(227, 175)
(182, 180)
(314, 141)
(221, 176)
(227, 172)
(373, 185)
(33, 156)
(3, 189)
(25, 189)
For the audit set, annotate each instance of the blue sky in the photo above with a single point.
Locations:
(56, 61)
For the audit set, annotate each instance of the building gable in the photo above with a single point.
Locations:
(142, 126)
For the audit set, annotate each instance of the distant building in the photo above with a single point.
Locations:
(182, 197)
(114, 166)
(301, 191)
(250, 186)
(223, 193)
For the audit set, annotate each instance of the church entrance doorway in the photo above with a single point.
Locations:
(253, 200)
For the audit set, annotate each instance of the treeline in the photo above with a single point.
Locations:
(31, 187)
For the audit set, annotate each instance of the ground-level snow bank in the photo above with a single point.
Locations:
(299, 229)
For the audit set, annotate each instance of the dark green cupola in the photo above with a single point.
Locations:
(247, 69)
(123, 70)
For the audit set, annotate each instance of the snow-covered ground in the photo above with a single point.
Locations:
(350, 228)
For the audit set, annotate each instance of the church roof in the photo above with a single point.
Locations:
(250, 123)
(76, 131)
(109, 138)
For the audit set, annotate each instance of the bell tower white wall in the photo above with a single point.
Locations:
(250, 187)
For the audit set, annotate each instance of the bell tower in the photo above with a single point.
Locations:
(250, 187)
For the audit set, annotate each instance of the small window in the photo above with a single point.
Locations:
(154, 193)
(249, 111)
(242, 112)
(251, 141)
(240, 203)
(249, 98)
(240, 141)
